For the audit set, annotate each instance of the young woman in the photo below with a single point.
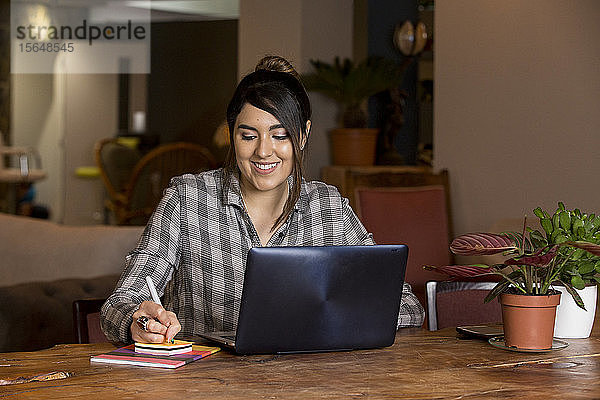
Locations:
(195, 244)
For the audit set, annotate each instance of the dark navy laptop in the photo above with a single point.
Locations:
(311, 299)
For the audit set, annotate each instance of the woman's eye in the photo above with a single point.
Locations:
(248, 136)
(281, 136)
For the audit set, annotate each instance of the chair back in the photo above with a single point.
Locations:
(86, 321)
(416, 214)
(154, 171)
(135, 184)
(451, 304)
(115, 160)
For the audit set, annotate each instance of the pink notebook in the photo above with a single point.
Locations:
(127, 355)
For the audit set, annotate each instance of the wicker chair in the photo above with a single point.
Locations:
(137, 187)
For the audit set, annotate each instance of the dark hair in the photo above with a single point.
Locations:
(273, 87)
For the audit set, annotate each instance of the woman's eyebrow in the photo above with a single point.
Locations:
(251, 128)
(244, 126)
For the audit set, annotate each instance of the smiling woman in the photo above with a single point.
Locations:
(276, 95)
(265, 159)
(196, 243)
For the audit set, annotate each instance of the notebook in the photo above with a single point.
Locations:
(127, 355)
(311, 299)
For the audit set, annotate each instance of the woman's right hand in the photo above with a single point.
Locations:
(163, 325)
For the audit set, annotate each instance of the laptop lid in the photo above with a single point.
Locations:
(299, 299)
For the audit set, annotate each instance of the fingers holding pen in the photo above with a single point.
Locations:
(141, 330)
(167, 318)
(173, 326)
(143, 326)
(153, 324)
(139, 335)
(169, 321)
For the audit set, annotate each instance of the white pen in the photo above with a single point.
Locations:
(152, 290)
(154, 295)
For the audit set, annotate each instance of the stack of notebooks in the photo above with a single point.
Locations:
(161, 355)
(164, 349)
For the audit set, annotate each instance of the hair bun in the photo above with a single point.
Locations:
(277, 64)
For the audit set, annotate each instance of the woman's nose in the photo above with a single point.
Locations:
(265, 147)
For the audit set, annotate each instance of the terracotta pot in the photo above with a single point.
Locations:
(353, 146)
(529, 320)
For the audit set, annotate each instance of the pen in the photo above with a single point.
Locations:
(154, 294)
(152, 290)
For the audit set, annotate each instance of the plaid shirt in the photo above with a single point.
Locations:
(195, 247)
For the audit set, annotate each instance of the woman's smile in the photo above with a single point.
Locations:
(265, 168)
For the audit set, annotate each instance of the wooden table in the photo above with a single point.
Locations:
(421, 364)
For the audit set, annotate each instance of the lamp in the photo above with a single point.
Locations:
(410, 40)
(221, 135)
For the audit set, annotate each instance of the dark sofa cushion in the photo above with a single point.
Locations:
(39, 315)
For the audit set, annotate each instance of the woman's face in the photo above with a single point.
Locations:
(263, 150)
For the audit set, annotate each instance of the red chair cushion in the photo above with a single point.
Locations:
(415, 216)
(466, 307)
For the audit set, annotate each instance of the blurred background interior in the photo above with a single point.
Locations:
(496, 113)
(514, 118)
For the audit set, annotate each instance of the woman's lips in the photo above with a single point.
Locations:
(264, 168)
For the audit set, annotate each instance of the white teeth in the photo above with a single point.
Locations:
(265, 166)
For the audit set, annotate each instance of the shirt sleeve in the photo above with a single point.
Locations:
(354, 231)
(412, 313)
(155, 255)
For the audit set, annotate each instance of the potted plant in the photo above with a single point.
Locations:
(350, 84)
(581, 268)
(525, 289)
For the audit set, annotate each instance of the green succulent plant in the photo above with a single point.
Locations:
(580, 267)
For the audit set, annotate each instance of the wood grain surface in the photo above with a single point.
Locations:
(420, 365)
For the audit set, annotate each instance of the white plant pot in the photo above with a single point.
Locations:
(571, 321)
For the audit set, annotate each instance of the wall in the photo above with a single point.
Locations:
(194, 69)
(90, 115)
(62, 116)
(516, 108)
(36, 120)
(299, 31)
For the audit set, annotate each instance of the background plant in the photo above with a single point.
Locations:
(350, 84)
(580, 267)
(532, 266)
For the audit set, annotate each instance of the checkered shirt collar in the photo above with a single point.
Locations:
(233, 194)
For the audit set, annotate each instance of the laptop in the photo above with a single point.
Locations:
(314, 299)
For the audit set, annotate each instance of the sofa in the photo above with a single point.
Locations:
(44, 267)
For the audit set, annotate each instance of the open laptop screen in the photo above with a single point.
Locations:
(320, 298)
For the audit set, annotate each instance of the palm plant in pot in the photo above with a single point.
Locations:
(350, 84)
(528, 299)
(581, 269)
